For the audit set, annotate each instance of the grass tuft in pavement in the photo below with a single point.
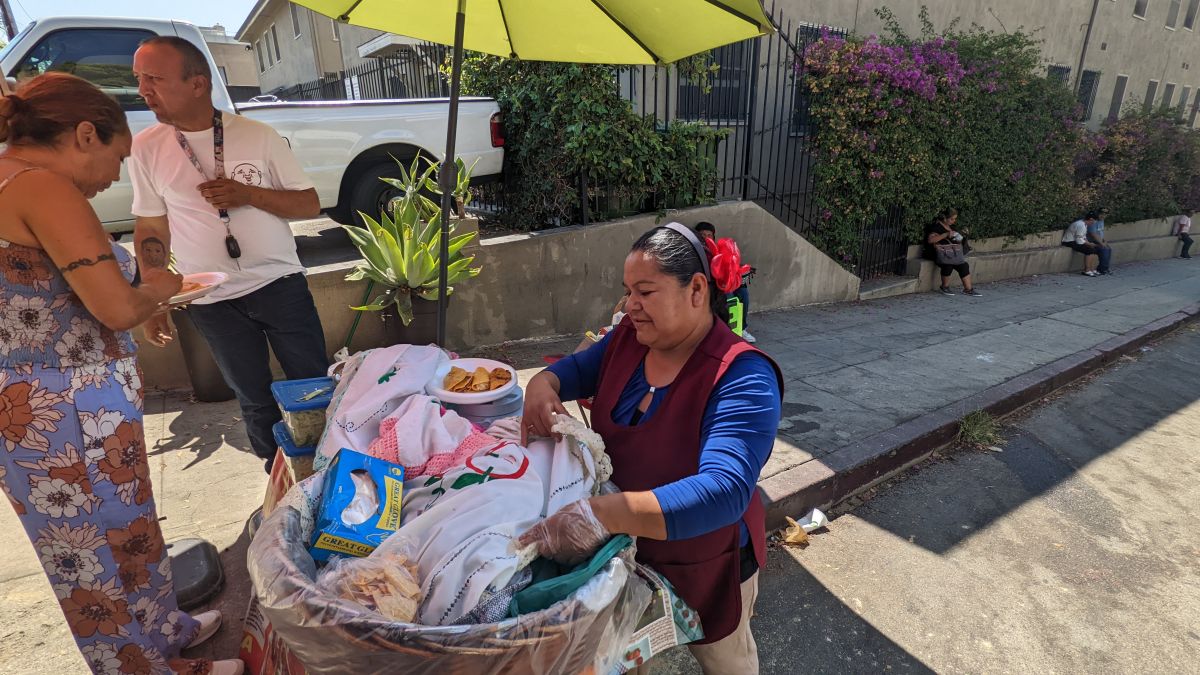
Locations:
(979, 430)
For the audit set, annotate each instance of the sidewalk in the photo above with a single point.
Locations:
(854, 372)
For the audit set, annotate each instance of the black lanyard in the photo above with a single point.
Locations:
(231, 242)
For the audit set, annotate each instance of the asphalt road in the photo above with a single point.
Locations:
(1073, 549)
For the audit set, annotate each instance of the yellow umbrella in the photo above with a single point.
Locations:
(626, 32)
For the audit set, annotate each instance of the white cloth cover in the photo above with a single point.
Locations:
(374, 384)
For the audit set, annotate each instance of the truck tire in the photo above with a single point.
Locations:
(370, 194)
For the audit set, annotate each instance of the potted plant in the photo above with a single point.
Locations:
(401, 253)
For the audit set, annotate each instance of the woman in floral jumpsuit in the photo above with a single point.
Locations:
(72, 452)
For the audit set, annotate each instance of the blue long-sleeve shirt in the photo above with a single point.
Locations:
(737, 433)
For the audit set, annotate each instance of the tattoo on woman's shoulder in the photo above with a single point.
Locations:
(87, 262)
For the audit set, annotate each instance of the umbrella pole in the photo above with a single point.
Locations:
(449, 169)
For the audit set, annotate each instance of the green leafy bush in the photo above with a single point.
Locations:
(1142, 166)
(565, 119)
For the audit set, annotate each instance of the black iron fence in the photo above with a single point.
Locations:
(412, 73)
(757, 96)
(884, 248)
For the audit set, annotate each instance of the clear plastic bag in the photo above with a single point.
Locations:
(589, 631)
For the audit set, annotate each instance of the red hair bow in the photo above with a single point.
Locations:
(726, 262)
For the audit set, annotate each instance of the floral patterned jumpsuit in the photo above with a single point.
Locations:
(73, 464)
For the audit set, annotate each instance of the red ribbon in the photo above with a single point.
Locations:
(726, 262)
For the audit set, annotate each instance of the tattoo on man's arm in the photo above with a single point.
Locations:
(87, 262)
(153, 253)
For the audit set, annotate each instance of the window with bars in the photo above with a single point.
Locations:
(1139, 8)
(1189, 20)
(1089, 82)
(728, 97)
(1168, 95)
(1118, 98)
(1151, 92)
(1060, 74)
(1173, 14)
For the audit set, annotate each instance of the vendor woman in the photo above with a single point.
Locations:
(688, 412)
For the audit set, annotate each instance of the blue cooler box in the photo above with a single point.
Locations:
(304, 416)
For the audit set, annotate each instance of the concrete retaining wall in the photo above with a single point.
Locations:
(565, 281)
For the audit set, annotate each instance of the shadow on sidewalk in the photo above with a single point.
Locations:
(802, 627)
(199, 428)
(1048, 446)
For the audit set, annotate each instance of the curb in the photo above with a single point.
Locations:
(856, 467)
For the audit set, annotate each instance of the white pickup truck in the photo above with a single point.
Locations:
(344, 146)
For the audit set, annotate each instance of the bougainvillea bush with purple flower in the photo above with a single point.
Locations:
(961, 119)
(1142, 166)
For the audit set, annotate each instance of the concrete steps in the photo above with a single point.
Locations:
(887, 287)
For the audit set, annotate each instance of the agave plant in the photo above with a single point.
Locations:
(400, 251)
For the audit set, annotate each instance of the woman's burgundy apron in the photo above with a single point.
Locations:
(704, 570)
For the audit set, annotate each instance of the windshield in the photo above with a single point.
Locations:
(13, 42)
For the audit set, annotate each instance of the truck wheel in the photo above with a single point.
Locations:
(371, 195)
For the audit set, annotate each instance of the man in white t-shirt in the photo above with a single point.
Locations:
(226, 217)
(1075, 238)
(1183, 229)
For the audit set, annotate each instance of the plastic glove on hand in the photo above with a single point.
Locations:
(570, 536)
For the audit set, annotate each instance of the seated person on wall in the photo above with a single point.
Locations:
(1095, 237)
(708, 231)
(940, 231)
(1183, 228)
(1075, 238)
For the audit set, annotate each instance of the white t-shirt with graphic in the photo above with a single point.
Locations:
(164, 183)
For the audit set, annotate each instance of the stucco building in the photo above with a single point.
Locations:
(235, 62)
(293, 45)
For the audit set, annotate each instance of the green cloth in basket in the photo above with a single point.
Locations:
(551, 583)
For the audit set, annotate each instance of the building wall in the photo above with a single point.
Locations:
(1120, 44)
(352, 38)
(238, 62)
(306, 45)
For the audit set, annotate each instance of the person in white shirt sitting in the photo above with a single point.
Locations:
(1183, 228)
(1075, 238)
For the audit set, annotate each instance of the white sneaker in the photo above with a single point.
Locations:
(210, 623)
(748, 337)
(228, 667)
(1091, 273)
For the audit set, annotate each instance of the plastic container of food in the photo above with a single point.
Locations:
(303, 403)
(484, 414)
(299, 459)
